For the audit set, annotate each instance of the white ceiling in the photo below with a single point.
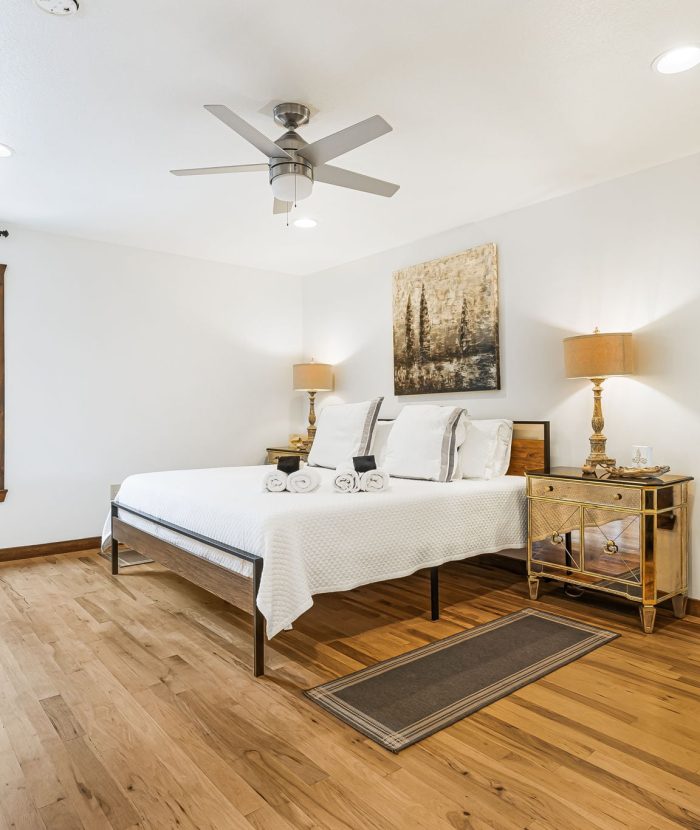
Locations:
(495, 104)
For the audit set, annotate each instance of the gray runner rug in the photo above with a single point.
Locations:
(404, 699)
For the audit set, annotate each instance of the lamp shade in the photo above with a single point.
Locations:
(598, 355)
(313, 377)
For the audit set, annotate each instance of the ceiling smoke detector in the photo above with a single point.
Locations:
(61, 7)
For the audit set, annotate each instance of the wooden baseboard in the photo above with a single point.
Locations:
(693, 607)
(49, 549)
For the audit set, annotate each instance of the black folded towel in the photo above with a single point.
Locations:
(288, 463)
(364, 463)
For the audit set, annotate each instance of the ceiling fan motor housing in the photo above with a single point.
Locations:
(298, 173)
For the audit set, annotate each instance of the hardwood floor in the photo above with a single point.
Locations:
(128, 702)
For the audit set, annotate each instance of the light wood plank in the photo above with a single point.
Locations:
(129, 703)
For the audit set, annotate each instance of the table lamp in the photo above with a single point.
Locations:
(312, 378)
(598, 356)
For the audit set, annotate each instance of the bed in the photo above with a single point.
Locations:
(269, 554)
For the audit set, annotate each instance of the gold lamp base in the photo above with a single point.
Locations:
(599, 460)
(598, 455)
(311, 428)
(302, 443)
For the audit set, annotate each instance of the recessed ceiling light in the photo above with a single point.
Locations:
(5, 151)
(60, 7)
(676, 60)
(305, 222)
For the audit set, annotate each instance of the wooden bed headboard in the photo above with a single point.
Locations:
(530, 448)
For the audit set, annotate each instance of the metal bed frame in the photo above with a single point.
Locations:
(242, 591)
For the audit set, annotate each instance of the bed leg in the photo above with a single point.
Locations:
(258, 624)
(434, 594)
(115, 544)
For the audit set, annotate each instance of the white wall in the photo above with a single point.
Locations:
(624, 256)
(121, 360)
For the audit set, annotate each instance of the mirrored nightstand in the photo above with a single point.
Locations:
(621, 536)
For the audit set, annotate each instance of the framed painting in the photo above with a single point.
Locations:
(446, 324)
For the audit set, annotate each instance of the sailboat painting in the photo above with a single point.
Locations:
(446, 324)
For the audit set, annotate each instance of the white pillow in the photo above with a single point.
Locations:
(379, 442)
(343, 431)
(423, 442)
(486, 451)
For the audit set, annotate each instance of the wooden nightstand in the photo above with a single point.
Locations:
(275, 453)
(622, 536)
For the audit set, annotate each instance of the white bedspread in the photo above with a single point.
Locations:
(327, 541)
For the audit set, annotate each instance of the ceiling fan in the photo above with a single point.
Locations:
(293, 164)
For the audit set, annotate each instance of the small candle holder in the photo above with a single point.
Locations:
(642, 456)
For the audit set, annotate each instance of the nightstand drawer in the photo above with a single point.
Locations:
(274, 454)
(614, 495)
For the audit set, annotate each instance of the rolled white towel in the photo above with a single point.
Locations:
(275, 481)
(346, 480)
(305, 480)
(374, 481)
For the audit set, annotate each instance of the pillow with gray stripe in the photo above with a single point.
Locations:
(344, 431)
(423, 442)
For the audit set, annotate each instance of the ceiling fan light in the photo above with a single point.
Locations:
(289, 187)
(305, 222)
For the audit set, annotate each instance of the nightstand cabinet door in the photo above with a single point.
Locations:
(555, 535)
(612, 547)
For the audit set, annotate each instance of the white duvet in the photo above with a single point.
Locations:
(327, 541)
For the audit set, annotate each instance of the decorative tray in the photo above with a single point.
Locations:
(636, 472)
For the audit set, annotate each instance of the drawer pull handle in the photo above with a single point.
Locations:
(618, 496)
(557, 538)
(610, 547)
(550, 488)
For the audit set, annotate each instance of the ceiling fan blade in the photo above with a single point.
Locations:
(279, 206)
(247, 131)
(345, 140)
(235, 168)
(355, 181)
